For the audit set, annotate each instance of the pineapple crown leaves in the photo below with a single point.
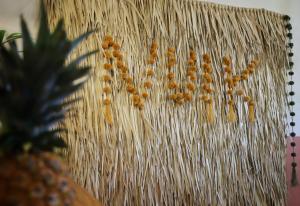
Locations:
(34, 87)
(10, 37)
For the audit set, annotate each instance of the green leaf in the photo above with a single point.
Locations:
(13, 36)
(48, 143)
(71, 74)
(27, 41)
(48, 107)
(34, 86)
(2, 34)
(59, 29)
(82, 57)
(44, 31)
(64, 92)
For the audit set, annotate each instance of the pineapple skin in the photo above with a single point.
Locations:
(35, 180)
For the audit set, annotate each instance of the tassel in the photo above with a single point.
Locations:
(108, 115)
(294, 180)
(210, 113)
(251, 112)
(231, 114)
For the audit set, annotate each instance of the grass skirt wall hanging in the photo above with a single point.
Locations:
(186, 104)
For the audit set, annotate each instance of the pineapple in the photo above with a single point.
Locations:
(34, 85)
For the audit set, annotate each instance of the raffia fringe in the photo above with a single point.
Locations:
(166, 154)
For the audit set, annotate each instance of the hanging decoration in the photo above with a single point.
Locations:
(206, 87)
(165, 146)
(191, 76)
(150, 71)
(106, 45)
(288, 26)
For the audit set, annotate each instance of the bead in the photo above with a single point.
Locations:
(291, 83)
(148, 84)
(294, 164)
(293, 134)
(292, 124)
(106, 78)
(191, 86)
(150, 72)
(107, 38)
(291, 73)
(206, 58)
(130, 88)
(107, 90)
(292, 114)
(108, 66)
(226, 61)
(291, 64)
(286, 17)
(145, 95)
(290, 35)
(291, 54)
(292, 93)
(293, 144)
(105, 45)
(293, 154)
(116, 46)
(291, 45)
(171, 75)
(106, 101)
(288, 26)
(292, 103)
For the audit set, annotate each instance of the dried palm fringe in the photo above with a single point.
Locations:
(169, 155)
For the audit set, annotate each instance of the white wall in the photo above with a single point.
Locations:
(11, 9)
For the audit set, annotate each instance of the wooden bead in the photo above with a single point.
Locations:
(191, 86)
(130, 88)
(193, 77)
(106, 78)
(106, 101)
(171, 49)
(145, 95)
(116, 46)
(108, 66)
(107, 90)
(150, 72)
(129, 80)
(206, 58)
(148, 84)
(108, 38)
(172, 85)
(171, 75)
(226, 61)
(192, 68)
(105, 45)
